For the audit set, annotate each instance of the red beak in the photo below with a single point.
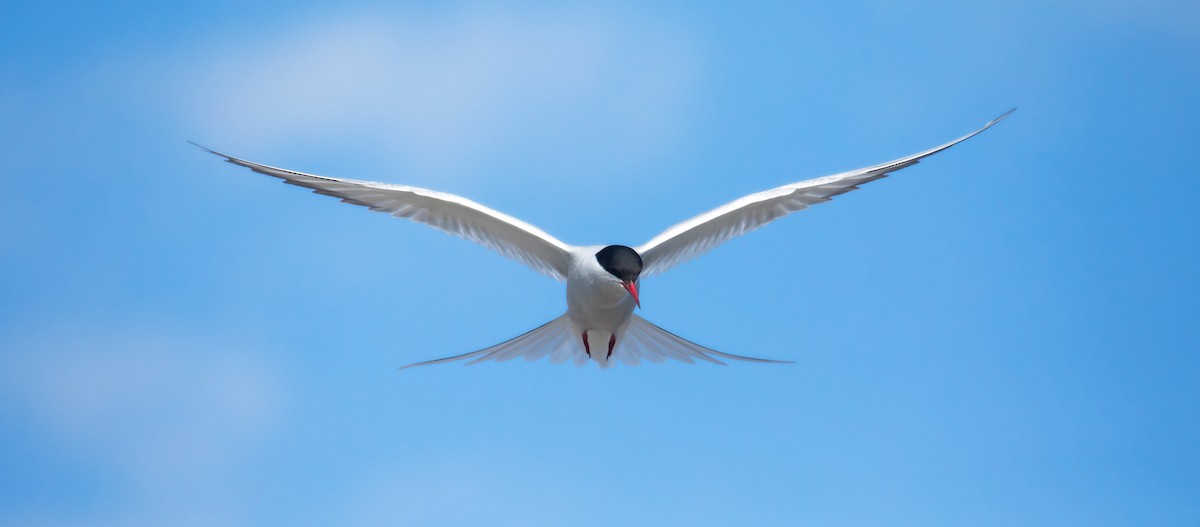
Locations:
(632, 288)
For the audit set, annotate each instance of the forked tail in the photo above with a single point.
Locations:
(560, 340)
(555, 339)
(643, 340)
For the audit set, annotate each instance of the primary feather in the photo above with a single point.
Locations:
(452, 214)
(700, 234)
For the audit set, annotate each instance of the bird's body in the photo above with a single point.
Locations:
(597, 304)
(602, 281)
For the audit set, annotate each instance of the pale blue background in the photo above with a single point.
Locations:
(1003, 335)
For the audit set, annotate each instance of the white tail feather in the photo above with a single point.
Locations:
(559, 339)
(643, 340)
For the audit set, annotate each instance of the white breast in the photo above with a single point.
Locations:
(595, 298)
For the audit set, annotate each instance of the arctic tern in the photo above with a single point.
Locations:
(602, 281)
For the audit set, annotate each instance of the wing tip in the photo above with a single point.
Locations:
(1001, 118)
(204, 148)
(227, 157)
(414, 365)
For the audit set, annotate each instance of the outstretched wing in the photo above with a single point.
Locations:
(452, 214)
(706, 231)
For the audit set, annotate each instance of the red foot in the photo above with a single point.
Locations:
(586, 348)
(612, 341)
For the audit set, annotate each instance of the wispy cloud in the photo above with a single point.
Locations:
(446, 93)
(162, 420)
(466, 488)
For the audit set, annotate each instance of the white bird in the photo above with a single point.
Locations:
(602, 281)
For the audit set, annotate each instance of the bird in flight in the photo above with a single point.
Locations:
(602, 281)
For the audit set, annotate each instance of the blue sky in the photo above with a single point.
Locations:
(1005, 334)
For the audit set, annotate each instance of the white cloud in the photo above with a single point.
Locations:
(446, 93)
(159, 418)
(466, 488)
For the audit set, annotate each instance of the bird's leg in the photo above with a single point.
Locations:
(586, 347)
(612, 341)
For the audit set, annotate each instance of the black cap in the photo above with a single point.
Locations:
(620, 261)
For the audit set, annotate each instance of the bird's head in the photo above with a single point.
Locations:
(623, 263)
